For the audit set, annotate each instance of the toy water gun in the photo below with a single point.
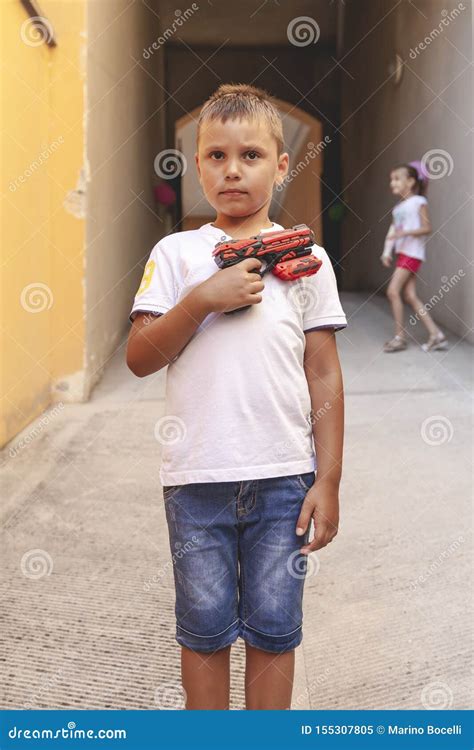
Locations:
(285, 252)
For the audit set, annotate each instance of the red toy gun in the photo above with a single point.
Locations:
(285, 252)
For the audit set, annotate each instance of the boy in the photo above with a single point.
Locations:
(245, 395)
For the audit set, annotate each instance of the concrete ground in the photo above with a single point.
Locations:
(87, 599)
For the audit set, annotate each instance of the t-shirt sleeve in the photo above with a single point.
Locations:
(321, 304)
(157, 291)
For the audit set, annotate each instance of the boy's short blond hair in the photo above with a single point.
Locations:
(238, 100)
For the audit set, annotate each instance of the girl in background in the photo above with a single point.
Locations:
(408, 230)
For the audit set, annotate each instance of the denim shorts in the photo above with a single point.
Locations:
(237, 566)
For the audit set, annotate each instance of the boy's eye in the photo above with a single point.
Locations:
(252, 155)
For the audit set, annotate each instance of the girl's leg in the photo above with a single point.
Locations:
(206, 678)
(396, 284)
(411, 297)
(268, 679)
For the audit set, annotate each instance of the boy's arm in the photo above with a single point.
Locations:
(325, 384)
(155, 342)
(153, 345)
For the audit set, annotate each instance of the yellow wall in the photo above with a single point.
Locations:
(43, 218)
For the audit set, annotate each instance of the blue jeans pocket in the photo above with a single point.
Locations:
(171, 490)
(305, 481)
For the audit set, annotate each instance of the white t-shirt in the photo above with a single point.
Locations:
(406, 216)
(237, 398)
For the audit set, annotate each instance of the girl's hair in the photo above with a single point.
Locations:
(421, 182)
(238, 100)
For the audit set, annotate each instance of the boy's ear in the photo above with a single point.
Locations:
(196, 159)
(282, 168)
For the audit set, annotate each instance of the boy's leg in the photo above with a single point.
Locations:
(272, 575)
(206, 679)
(268, 679)
(396, 284)
(203, 540)
(411, 297)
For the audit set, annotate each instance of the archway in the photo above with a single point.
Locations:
(300, 199)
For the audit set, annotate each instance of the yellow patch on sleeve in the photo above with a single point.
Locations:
(147, 276)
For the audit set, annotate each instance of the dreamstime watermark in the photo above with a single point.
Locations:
(36, 430)
(283, 448)
(437, 163)
(36, 563)
(437, 563)
(447, 17)
(69, 732)
(315, 416)
(35, 164)
(170, 696)
(45, 686)
(446, 286)
(170, 430)
(302, 296)
(302, 566)
(437, 430)
(302, 31)
(181, 18)
(313, 151)
(36, 297)
(36, 31)
(170, 163)
(305, 695)
(436, 695)
(181, 551)
(150, 317)
(286, 448)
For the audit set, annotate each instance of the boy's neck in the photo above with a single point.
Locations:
(240, 227)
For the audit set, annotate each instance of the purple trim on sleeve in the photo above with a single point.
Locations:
(333, 325)
(150, 312)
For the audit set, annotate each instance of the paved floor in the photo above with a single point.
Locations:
(87, 602)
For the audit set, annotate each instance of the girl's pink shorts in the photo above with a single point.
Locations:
(404, 261)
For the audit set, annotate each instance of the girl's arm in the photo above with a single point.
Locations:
(389, 242)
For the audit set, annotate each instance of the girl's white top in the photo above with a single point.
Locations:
(406, 216)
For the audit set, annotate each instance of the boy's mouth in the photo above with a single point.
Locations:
(233, 192)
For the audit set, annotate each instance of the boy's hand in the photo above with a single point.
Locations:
(386, 260)
(233, 287)
(322, 505)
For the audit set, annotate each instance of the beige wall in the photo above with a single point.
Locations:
(124, 132)
(384, 125)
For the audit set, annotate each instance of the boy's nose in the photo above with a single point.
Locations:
(233, 170)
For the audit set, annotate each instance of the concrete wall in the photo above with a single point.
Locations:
(383, 124)
(124, 132)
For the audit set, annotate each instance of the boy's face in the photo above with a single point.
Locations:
(400, 183)
(238, 165)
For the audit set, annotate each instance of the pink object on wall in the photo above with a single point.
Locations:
(164, 194)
